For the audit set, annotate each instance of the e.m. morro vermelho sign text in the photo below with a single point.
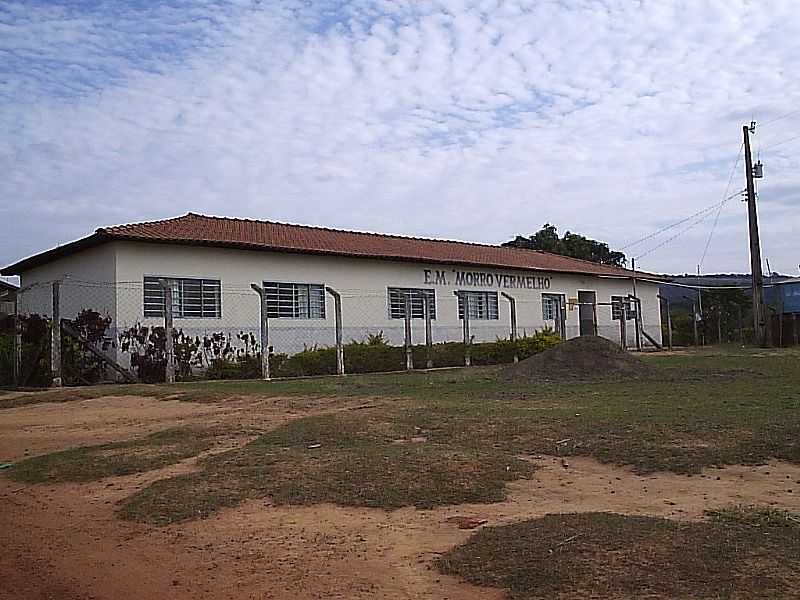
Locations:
(480, 279)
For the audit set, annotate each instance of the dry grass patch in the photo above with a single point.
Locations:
(345, 459)
(606, 555)
(90, 463)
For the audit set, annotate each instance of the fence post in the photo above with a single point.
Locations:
(264, 327)
(594, 316)
(465, 324)
(407, 323)
(55, 336)
(17, 366)
(512, 302)
(337, 312)
(794, 328)
(428, 333)
(169, 342)
(623, 329)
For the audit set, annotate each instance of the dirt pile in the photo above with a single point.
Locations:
(581, 358)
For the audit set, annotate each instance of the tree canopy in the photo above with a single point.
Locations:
(571, 244)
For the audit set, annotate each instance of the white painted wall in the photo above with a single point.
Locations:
(362, 283)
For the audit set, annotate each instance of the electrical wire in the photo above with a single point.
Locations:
(701, 213)
(668, 227)
(724, 202)
(685, 229)
(789, 114)
(786, 141)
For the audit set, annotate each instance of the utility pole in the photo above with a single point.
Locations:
(759, 316)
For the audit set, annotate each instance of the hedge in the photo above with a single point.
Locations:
(378, 356)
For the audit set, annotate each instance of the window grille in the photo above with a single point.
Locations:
(295, 300)
(191, 298)
(397, 302)
(482, 305)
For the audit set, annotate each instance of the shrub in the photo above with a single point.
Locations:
(375, 355)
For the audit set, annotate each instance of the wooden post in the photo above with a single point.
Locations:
(779, 290)
(264, 328)
(594, 316)
(794, 328)
(741, 325)
(55, 336)
(669, 325)
(694, 322)
(337, 313)
(428, 332)
(719, 325)
(169, 342)
(408, 340)
(623, 329)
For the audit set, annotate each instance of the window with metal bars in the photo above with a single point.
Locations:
(482, 305)
(617, 302)
(397, 302)
(550, 305)
(295, 300)
(191, 298)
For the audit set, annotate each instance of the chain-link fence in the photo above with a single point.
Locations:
(85, 332)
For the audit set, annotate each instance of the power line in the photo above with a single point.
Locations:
(697, 222)
(702, 211)
(719, 211)
(786, 141)
(673, 225)
(789, 114)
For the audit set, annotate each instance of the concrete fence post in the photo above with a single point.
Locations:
(428, 331)
(408, 341)
(169, 341)
(465, 325)
(512, 303)
(17, 359)
(55, 337)
(337, 313)
(264, 329)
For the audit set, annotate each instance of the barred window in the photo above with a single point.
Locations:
(617, 302)
(295, 300)
(191, 298)
(397, 302)
(550, 306)
(482, 305)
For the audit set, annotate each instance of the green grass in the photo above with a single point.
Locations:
(606, 555)
(90, 463)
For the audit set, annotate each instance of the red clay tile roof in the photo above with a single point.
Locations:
(202, 230)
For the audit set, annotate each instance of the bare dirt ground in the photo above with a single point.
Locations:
(64, 542)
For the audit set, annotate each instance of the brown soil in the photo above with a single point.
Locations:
(64, 542)
(581, 358)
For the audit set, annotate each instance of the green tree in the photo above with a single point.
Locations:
(571, 244)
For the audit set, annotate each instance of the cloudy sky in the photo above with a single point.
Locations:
(466, 120)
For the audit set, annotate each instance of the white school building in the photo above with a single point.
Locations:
(211, 263)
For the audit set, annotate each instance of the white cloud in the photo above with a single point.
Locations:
(472, 120)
